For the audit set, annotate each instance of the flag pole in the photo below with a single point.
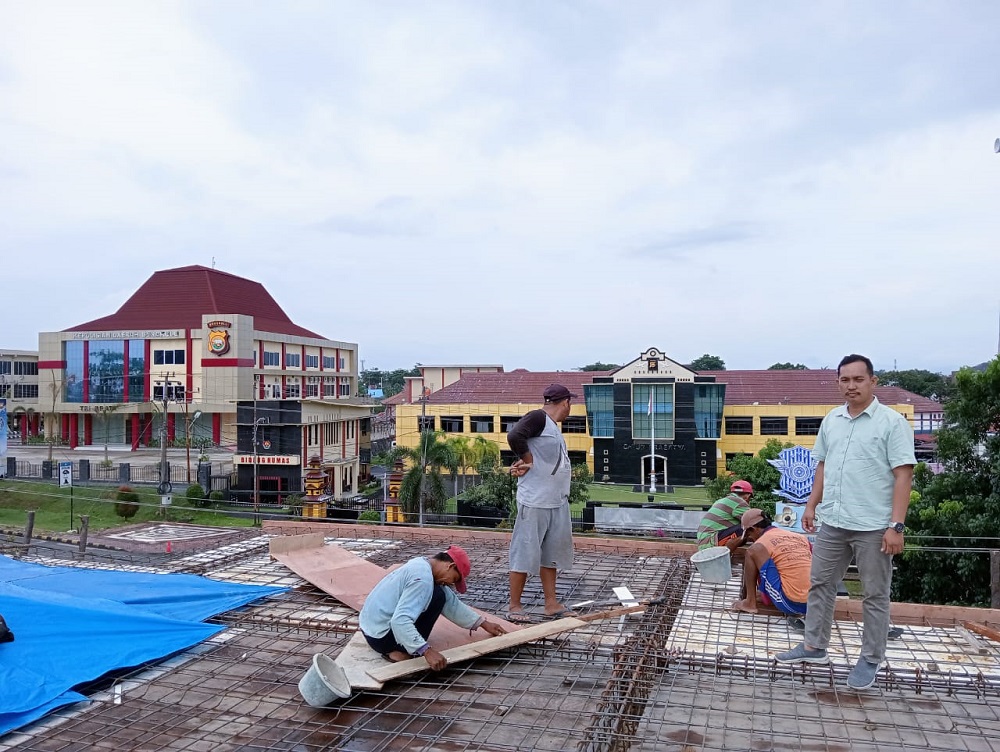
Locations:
(652, 444)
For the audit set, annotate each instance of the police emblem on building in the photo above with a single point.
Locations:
(797, 467)
(218, 337)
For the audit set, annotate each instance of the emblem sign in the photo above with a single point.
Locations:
(218, 337)
(797, 467)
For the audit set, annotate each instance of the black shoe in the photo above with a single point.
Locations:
(5, 634)
(796, 624)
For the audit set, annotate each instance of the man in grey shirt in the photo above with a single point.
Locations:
(542, 541)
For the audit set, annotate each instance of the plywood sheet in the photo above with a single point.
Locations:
(349, 579)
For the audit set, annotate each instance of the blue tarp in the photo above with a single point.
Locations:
(74, 625)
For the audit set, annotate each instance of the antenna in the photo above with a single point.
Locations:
(213, 262)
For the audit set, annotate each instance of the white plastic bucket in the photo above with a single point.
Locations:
(324, 682)
(713, 564)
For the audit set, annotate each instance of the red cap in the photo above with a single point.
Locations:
(741, 486)
(462, 564)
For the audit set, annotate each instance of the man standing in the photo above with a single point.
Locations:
(400, 611)
(542, 541)
(721, 524)
(863, 481)
(776, 564)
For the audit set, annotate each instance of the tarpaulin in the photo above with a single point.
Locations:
(74, 625)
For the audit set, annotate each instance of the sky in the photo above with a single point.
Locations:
(539, 185)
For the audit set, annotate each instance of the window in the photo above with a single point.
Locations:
(425, 423)
(574, 424)
(452, 423)
(312, 390)
(168, 357)
(175, 392)
(328, 363)
(4, 366)
(345, 388)
(28, 367)
(773, 426)
(106, 369)
(807, 426)
(739, 426)
(25, 391)
(709, 400)
(73, 355)
(663, 411)
(507, 422)
(293, 390)
(481, 424)
(293, 360)
(343, 363)
(272, 358)
(329, 389)
(312, 361)
(600, 400)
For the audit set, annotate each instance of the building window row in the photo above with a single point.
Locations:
(272, 358)
(293, 360)
(19, 367)
(166, 357)
(25, 391)
(772, 426)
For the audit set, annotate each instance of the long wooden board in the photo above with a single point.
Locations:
(349, 579)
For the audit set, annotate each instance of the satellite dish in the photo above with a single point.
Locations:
(996, 146)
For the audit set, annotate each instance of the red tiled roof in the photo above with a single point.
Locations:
(809, 387)
(514, 387)
(399, 398)
(178, 298)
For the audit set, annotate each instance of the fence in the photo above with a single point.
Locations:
(85, 471)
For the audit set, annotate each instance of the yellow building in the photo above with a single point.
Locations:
(702, 420)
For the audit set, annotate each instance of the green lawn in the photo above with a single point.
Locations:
(693, 496)
(52, 508)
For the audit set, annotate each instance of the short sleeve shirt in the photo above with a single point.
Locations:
(859, 455)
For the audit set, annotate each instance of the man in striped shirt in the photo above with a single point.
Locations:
(721, 524)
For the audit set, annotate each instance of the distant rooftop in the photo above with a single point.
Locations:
(178, 298)
(519, 386)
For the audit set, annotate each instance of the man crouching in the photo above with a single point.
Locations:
(401, 610)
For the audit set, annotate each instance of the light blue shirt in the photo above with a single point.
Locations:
(401, 596)
(858, 456)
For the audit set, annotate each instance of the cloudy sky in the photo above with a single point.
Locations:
(535, 184)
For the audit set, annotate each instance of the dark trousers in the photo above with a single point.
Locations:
(424, 624)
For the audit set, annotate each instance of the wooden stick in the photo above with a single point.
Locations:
(982, 629)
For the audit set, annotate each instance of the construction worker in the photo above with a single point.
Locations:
(721, 524)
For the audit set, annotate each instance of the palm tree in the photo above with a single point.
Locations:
(462, 450)
(422, 488)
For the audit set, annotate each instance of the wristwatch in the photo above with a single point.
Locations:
(899, 527)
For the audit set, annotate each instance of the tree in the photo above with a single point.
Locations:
(391, 382)
(919, 381)
(423, 481)
(708, 363)
(104, 412)
(599, 366)
(56, 388)
(787, 367)
(756, 469)
(958, 509)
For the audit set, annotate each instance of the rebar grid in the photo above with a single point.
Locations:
(714, 685)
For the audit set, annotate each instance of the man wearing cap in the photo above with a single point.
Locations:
(542, 541)
(721, 524)
(862, 489)
(400, 611)
(776, 564)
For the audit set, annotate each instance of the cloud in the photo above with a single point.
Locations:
(676, 245)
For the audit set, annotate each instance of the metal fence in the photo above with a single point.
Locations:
(122, 473)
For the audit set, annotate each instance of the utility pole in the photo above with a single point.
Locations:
(165, 486)
(423, 452)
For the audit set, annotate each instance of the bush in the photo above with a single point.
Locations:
(127, 504)
(217, 496)
(369, 516)
(294, 505)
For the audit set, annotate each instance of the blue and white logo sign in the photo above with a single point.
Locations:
(797, 467)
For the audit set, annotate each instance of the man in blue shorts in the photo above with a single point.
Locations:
(777, 565)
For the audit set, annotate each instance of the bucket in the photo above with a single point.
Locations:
(713, 564)
(324, 682)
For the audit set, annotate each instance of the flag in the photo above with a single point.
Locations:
(649, 412)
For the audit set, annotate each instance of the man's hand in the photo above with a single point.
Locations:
(892, 542)
(519, 468)
(809, 518)
(435, 660)
(492, 629)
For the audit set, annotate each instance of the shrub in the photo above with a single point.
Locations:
(217, 496)
(294, 505)
(196, 496)
(127, 503)
(370, 515)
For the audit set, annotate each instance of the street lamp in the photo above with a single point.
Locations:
(256, 482)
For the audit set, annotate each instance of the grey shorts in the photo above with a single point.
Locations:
(541, 538)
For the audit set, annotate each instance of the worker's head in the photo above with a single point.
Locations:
(754, 523)
(742, 488)
(451, 567)
(558, 400)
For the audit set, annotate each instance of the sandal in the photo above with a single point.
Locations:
(519, 617)
(563, 613)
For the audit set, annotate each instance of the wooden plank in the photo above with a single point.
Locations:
(973, 641)
(358, 659)
(288, 543)
(349, 579)
(920, 613)
(982, 629)
(483, 647)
